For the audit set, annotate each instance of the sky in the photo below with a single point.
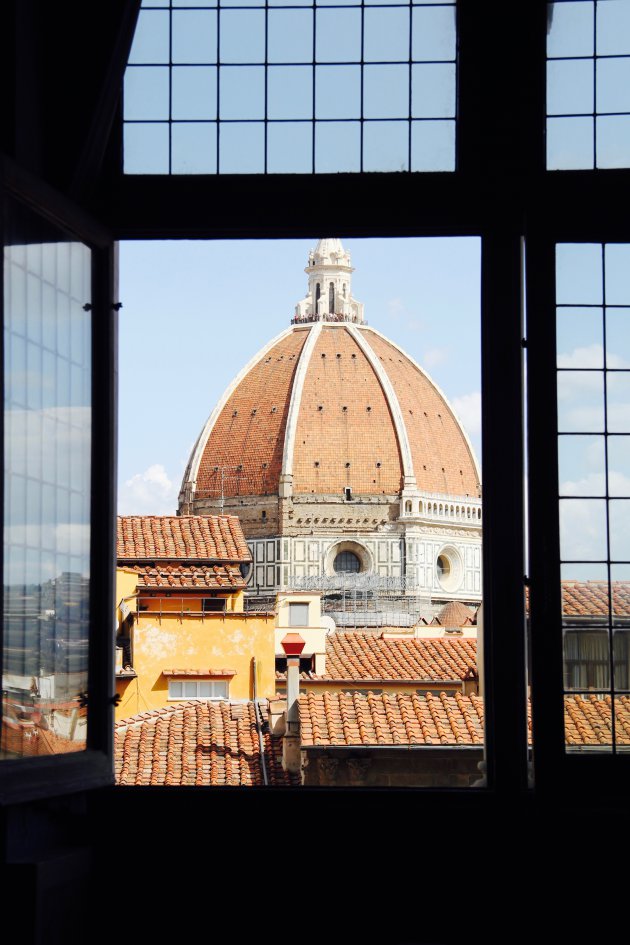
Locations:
(194, 313)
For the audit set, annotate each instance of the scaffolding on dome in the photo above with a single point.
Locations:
(361, 601)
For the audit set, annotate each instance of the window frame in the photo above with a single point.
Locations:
(50, 775)
(499, 191)
(197, 681)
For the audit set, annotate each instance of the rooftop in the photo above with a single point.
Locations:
(358, 657)
(218, 577)
(340, 719)
(197, 743)
(185, 537)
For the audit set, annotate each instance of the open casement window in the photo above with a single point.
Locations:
(500, 186)
(56, 713)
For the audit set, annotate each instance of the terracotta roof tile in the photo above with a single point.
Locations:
(360, 656)
(218, 577)
(185, 537)
(588, 721)
(196, 742)
(590, 599)
(390, 719)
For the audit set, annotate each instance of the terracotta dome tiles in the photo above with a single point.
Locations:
(247, 440)
(442, 459)
(345, 433)
(345, 427)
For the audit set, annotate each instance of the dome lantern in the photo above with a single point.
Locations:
(329, 292)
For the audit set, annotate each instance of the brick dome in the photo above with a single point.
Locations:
(329, 405)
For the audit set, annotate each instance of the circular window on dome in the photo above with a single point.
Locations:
(346, 562)
(448, 568)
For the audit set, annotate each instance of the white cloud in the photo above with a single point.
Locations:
(148, 493)
(468, 409)
(590, 356)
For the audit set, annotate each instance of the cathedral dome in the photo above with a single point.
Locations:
(329, 405)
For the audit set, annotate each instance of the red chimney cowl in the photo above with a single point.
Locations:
(293, 644)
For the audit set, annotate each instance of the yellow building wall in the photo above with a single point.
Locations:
(214, 641)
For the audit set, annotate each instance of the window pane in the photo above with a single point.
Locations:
(298, 615)
(47, 409)
(171, 78)
(576, 70)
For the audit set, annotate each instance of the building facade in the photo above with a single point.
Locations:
(345, 463)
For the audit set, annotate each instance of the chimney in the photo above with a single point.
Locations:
(292, 644)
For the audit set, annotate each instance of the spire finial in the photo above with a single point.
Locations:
(329, 294)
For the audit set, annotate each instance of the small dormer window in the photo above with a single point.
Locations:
(298, 615)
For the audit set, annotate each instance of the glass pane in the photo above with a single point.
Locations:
(337, 147)
(583, 530)
(613, 28)
(619, 465)
(146, 93)
(205, 689)
(242, 93)
(613, 85)
(146, 148)
(570, 87)
(618, 395)
(386, 36)
(194, 36)
(151, 39)
(584, 592)
(194, 92)
(175, 689)
(290, 36)
(290, 148)
(619, 527)
(433, 90)
(290, 92)
(189, 690)
(194, 148)
(588, 723)
(571, 30)
(242, 148)
(570, 143)
(47, 410)
(337, 92)
(432, 145)
(580, 402)
(620, 583)
(386, 146)
(581, 466)
(613, 141)
(579, 337)
(338, 36)
(618, 337)
(621, 652)
(386, 92)
(242, 36)
(617, 260)
(433, 34)
(579, 279)
(586, 659)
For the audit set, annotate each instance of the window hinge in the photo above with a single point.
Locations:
(117, 306)
(523, 342)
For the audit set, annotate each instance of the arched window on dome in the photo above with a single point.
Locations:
(408, 507)
(318, 292)
(331, 298)
(347, 562)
